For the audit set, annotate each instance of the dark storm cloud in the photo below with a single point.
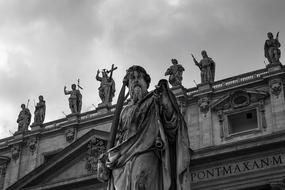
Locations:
(49, 44)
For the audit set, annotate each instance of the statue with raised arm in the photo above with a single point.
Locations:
(149, 145)
(40, 111)
(207, 68)
(271, 48)
(175, 72)
(107, 86)
(24, 119)
(75, 99)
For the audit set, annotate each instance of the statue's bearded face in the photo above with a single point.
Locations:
(137, 86)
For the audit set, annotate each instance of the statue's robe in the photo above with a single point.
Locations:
(136, 162)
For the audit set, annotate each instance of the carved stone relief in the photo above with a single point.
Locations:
(96, 147)
(3, 169)
(70, 134)
(204, 105)
(276, 87)
(15, 151)
(32, 144)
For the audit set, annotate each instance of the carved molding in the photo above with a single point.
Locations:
(204, 104)
(276, 87)
(237, 101)
(32, 144)
(96, 147)
(70, 134)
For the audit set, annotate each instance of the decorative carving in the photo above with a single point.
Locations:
(107, 86)
(32, 144)
(175, 72)
(96, 147)
(3, 169)
(204, 105)
(238, 99)
(15, 151)
(70, 134)
(276, 87)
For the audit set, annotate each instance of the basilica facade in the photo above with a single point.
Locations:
(236, 128)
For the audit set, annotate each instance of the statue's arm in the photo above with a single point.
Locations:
(66, 92)
(97, 76)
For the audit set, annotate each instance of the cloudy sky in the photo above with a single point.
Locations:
(45, 45)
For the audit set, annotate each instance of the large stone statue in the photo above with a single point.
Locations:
(75, 99)
(40, 111)
(151, 145)
(24, 119)
(271, 48)
(207, 67)
(107, 86)
(175, 73)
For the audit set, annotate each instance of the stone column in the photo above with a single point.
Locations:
(14, 165)
(205, 122)
(277, 103)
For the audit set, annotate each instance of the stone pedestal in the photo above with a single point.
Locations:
(35, 127)
(103, 108)
(273, 67)
(73, 117)
(204, 87)
(19, 134)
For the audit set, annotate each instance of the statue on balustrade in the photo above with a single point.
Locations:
(40, 111)
(175, 72)
(271, 48)
(75, 99)
(149, 145)
(107, 86)
(207, 68)
(24, 119)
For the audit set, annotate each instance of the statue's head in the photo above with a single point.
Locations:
(41, 98)
(174, 61)
(23, 106)
(137, 80)
(270, 35)
(104, 73)
(73, 86)
(204, 53)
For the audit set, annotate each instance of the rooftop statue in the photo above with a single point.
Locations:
(24, 119)
(149, 145)
(107, 86)
(207, 68)
(75, 99)
(271, 48)
(40, 111)
(175, 73)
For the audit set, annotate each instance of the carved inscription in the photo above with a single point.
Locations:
(238, 168)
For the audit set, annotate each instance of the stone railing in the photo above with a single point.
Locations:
(232, 81)
(240, 79)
